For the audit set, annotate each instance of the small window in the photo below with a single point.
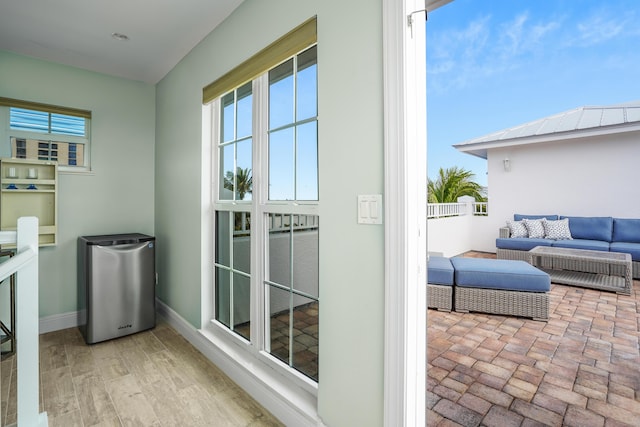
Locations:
(43, 132)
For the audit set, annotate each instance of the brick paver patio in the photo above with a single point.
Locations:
(581, 368)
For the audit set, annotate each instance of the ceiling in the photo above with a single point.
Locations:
(79, 32)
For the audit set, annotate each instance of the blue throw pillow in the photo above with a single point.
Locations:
(591, 227)
(626, 230)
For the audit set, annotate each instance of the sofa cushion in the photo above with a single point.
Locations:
(517, 229)
(521, 243)
(626, 230)
(535, 229)
(520, 217)
(499, 274)
(592, 245)
(557, 229)
(627, 248)
(591, 228)
(439, 271)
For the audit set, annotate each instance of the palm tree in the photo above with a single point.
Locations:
(242, 179)
(452, 183)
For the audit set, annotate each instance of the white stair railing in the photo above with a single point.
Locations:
(25, 265)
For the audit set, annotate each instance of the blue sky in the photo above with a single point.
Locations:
(496, 64)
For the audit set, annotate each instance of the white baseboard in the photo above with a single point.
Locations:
(59, 321)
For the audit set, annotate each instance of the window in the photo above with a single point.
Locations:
(266, 226)
(45, 132)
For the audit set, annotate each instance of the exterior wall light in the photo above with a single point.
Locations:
(507, 164)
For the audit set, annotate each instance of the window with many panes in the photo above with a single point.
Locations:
(266, 226)
(43, 132)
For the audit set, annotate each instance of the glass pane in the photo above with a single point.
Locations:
(227, 119)
(242, 242)
(223, 296)
(67, 125)
(307, 93)
(305, 336)
(281, 95)
(245, 99)
(307, 162)
(223, 240)
(305, 254)
(227, 176)
(242, 305)
(281, 165)
(279, 249)
(244, 175)
(279, 322)
(29, 120)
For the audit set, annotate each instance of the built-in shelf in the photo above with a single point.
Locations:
(30, 188)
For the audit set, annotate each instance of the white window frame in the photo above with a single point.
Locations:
(49, 137)
(261, 207)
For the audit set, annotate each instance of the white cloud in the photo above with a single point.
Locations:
(598, 29)
(484, 48)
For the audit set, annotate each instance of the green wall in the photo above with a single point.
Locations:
(156, 189)
(118, 196)
(351, 163)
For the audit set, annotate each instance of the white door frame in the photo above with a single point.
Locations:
(405, 212)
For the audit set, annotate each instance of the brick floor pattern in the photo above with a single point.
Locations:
(581, 368)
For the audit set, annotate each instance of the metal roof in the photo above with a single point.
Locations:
(576, 123)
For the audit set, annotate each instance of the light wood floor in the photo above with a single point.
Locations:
(153, 378)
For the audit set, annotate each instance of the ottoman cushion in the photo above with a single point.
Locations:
(439, 271)
(499, 274)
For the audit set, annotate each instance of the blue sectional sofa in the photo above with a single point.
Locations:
(592, 233)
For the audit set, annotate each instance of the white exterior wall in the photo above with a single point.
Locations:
(458, 234)
(449, 236)
(579, 177)
(587, 177)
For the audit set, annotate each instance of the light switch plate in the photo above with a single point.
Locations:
(370, 209)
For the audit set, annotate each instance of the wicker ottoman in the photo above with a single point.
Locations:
(508, 287)
(439, 283)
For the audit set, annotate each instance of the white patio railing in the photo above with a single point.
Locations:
(440, 210)
(277, 223)
(25, 265)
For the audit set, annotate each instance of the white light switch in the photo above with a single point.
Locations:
(370, 209)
